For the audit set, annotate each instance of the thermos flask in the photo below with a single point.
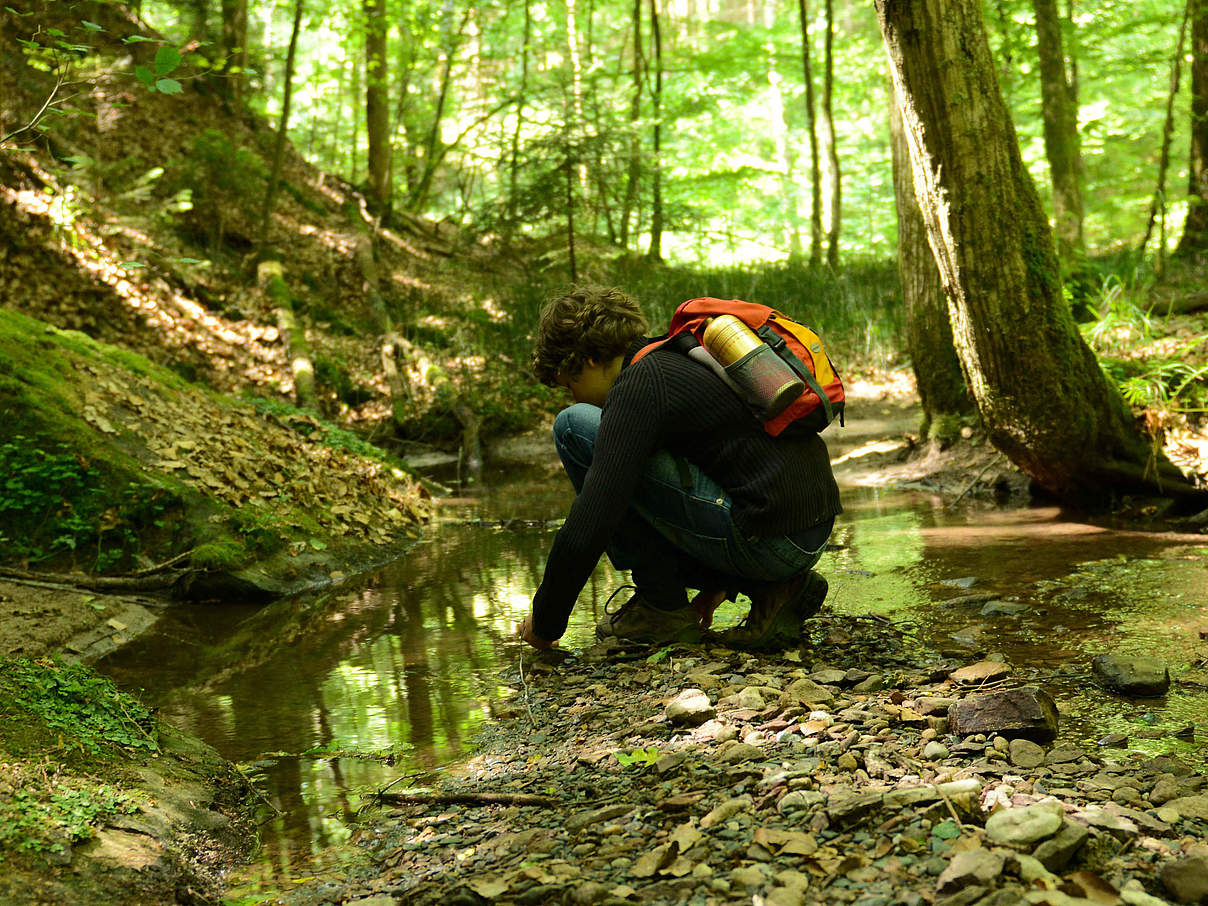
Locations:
(764, 380)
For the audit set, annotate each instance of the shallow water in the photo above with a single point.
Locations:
(391, 675)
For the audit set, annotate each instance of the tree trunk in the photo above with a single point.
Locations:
(780, 136)
(1040, 392)
(569, 167)
(1062, 144)
(234, 46)
(287, 93)
(634, 173)
(521, 97)
(937, 370)
(377, 119)
(1158, 203)
(1195, 229)
(832, 179)
(656, 214)
(815, 162)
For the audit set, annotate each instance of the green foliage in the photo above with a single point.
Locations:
(219, 176)
(642, 758)
(83, 707)
(53, 502)
(30, 823)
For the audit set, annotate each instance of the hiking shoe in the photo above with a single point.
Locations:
(778, 612)
(639, 621)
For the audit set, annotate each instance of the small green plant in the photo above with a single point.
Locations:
(30, 823)
(640, 757)
(83, 707)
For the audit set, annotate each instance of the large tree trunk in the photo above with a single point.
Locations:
(937, 370)
(377, 117)
(1062, 144)
(812, 124)
(1041, 395)
(1195, 230)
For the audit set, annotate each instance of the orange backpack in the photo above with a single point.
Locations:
(797, 345)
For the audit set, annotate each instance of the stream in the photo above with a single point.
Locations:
(391, 674)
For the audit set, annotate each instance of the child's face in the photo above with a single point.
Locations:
(591, 385)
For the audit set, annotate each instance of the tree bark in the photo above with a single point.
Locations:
(1062, 144)
(234, 46)
(812, 125)
(832, 178)
(937, 370)
(1039, 390)
(1195, 229)
(656, 210)
(292, 334)
(377, 118)
(521, 97)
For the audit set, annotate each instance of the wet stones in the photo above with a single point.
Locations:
(975, 867)
(690, 708)
(1023, 753)
(1130, 675)
(980, 673)
(1055, 853)
(1186, 879)
(1027, 712)
(1025, 826)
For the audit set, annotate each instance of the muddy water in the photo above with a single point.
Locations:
(390, 676)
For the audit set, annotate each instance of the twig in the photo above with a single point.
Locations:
(160, 567)
(951, 807)
(259, 795)
(524, 685)
(468, 799)
(976, 478)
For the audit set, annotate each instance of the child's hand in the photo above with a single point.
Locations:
(525, 631)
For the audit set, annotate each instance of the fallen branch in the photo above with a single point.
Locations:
(976, 479)
(136, 582)
(467, 799)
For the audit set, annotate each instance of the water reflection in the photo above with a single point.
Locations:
(393, 675)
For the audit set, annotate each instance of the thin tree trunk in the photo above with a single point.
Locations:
(432, 159)
(356, 121)
(784, 160)
(832, 176)
(937, 370)
(377, 118)
(234, 46)
(1159, 196)
(1060, 422)
(1195, 229)
(521, 97)
(634, 173)
(266, 210)
(570, 220)
(812, 124)
(1062, 144)
(656, 214)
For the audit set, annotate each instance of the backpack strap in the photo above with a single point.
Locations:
(782, 349)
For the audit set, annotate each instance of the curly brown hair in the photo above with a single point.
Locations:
(589, 322)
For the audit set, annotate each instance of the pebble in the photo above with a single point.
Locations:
(1024, 753)
(690, 708)
(935, 751)
(1026, 825)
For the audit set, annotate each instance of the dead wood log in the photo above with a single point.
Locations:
(467, 799)
(135, 583)
(270, 277)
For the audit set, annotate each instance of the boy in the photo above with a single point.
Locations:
(678, 482)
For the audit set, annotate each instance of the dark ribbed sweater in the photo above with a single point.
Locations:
(779, 486)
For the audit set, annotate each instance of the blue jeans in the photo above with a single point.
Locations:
(678, 531)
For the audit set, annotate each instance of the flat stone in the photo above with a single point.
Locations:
(1189, 807)
(739, 753)
(726, 810)
(829, 676)
(1117, 825)
(1027, 712)
(1026, 825)
(1064, 755)
(805, 691)
(935, 751)
(1056, 852)
(1003, 609)
(1131, 675)
(1186, 879)
(596, 816)
(981, 672)
(800, 799)
(690, 708)
(933, 704)
(873, 683)
(1025, 754)
(972, 867)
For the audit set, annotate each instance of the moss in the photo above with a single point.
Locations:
(223, 554)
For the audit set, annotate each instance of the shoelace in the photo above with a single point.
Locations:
(619, 589)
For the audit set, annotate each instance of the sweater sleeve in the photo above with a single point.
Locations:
(630, 432)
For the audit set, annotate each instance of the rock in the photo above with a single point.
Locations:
(935, 751)
(726, 810)
(933, 704)
(799, 799)
(1133, 893)
(873, 683)
(1132, 675)
(847, 762)
(805, 691)
(1186, 879)
(1027, 712)
(1166, 789)
(829, 676)
(669, 762)
(1026, 825)
(1025, 754)
(750, 877)
(589, 893)
(981, 672)
(1189, 807)
(1003, 609)
(740, 752)
(1056, 852)
(596, 816)
(690, 708)
(972, 867)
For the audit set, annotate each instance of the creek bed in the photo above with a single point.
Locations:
(392, 674)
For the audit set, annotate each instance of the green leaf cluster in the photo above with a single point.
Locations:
(640, 757)
(30, 823)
